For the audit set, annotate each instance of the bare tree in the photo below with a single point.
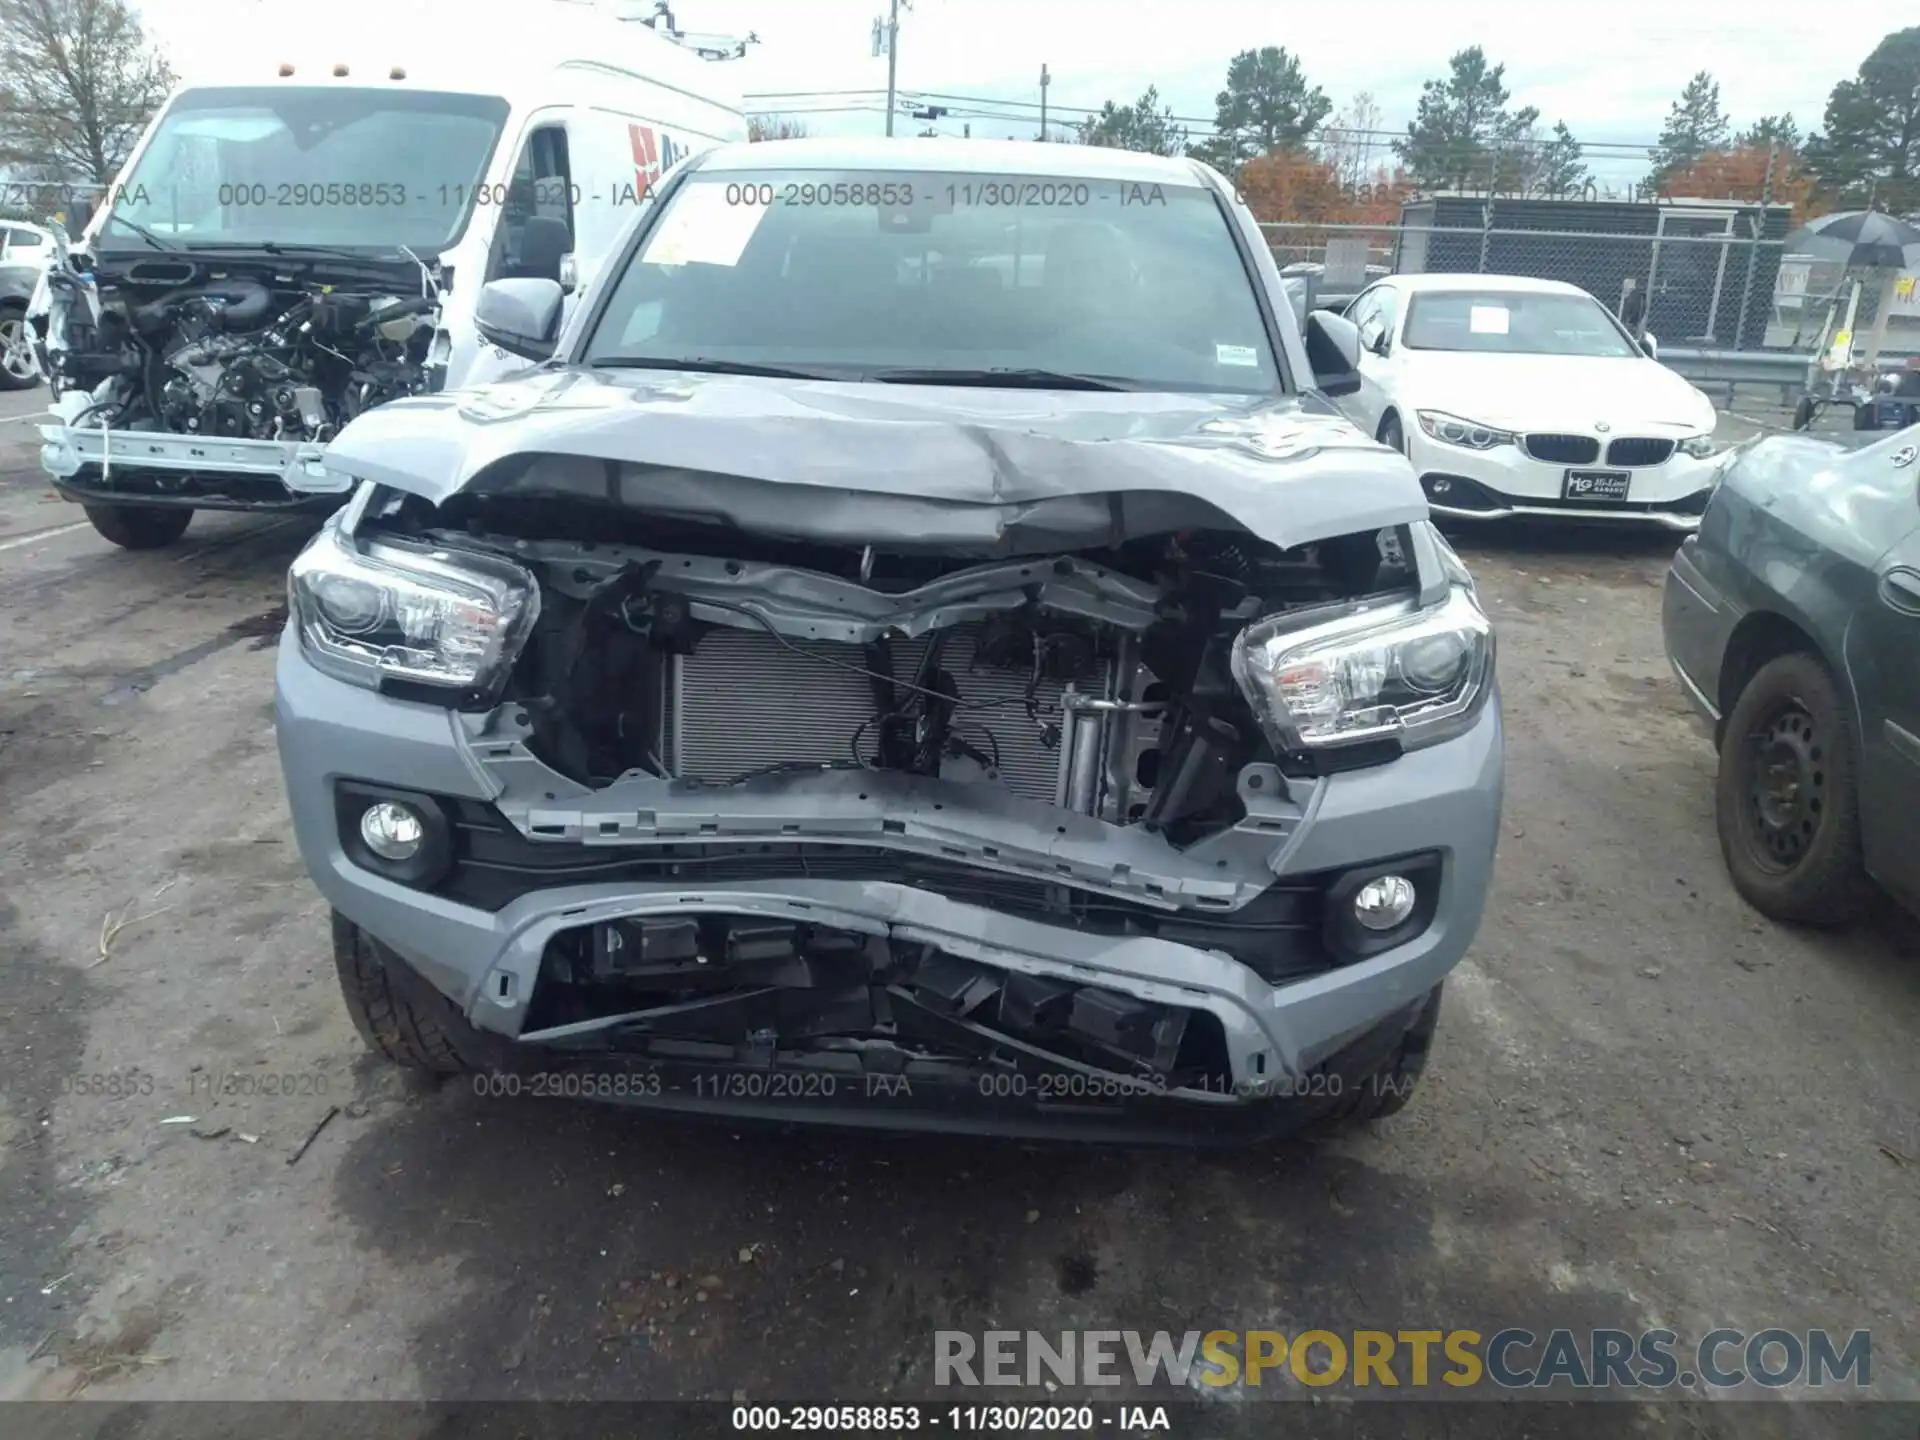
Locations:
(78, 82)
(765, 127)
(1351, 139)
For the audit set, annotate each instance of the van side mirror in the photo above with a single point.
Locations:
(522, 317)
(1333, 350)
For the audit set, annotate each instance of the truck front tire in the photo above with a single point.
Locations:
(140, 527)
(1390, 1088)
(398, 1014)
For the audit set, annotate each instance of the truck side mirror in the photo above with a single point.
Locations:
(1333, 350)
(522, 317)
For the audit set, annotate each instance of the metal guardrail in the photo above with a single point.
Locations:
(1733, 368)
(1737, 367)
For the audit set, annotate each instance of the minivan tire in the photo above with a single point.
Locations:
(1796, 858)
(140, 527)
(398, 1014)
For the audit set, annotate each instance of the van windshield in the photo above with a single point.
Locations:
(307, 165)
(917, 277)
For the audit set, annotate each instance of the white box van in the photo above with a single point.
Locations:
(303, 229)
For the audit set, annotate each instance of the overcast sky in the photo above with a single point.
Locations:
(1609, 71)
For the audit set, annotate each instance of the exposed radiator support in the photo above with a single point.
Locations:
(743, 702)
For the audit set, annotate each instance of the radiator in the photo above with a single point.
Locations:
(744, 701)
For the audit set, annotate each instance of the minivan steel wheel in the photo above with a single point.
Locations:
(1786, 805)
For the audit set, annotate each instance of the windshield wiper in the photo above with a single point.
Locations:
(1011, 379)
(281, 247)
(145, 234)
(713, 367)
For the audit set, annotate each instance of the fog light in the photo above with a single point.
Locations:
(395, 832)
(1383, 903)
(1442, 485)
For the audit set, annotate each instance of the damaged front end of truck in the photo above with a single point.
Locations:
(986, 775)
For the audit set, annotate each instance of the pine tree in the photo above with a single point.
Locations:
(1870, 148)
(1462, 127)
(1695, 125)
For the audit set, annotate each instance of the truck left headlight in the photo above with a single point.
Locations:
(1416, 674)
(374, 611)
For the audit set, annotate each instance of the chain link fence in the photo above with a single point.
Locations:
(1708, 279)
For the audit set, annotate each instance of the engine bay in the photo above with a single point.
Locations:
(254, 349)
(1094, 681)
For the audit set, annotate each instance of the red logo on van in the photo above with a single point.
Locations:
(646, 155)
(653, 155)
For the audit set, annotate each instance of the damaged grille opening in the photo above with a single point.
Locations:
(1096, 680)
(1279, 935)
(750, 990)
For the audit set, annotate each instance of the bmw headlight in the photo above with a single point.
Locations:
(1417, 674)
(379, 610)
(1699, 447)
(1468, 434)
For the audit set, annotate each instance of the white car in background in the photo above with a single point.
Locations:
(24, 244)
(1515, 396)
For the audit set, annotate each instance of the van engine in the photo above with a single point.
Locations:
(240, 353)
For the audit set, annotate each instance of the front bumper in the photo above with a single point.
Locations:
(1506, 483)
(92, 465)
(1277, 1035)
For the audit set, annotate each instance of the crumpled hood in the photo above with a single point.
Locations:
(862, 462)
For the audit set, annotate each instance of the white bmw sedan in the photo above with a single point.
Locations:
(1515, 396)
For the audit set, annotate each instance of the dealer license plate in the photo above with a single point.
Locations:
(1596, 485)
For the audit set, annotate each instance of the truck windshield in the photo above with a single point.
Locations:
(917, 277)
(345, 167)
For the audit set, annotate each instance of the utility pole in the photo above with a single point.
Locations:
(1045, 78)
(893, 58)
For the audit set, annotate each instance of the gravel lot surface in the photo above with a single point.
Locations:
(1646, 1107)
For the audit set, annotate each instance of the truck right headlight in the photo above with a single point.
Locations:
(1417, 674)
(375, 611)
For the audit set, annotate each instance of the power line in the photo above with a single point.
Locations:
(1011, 109)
